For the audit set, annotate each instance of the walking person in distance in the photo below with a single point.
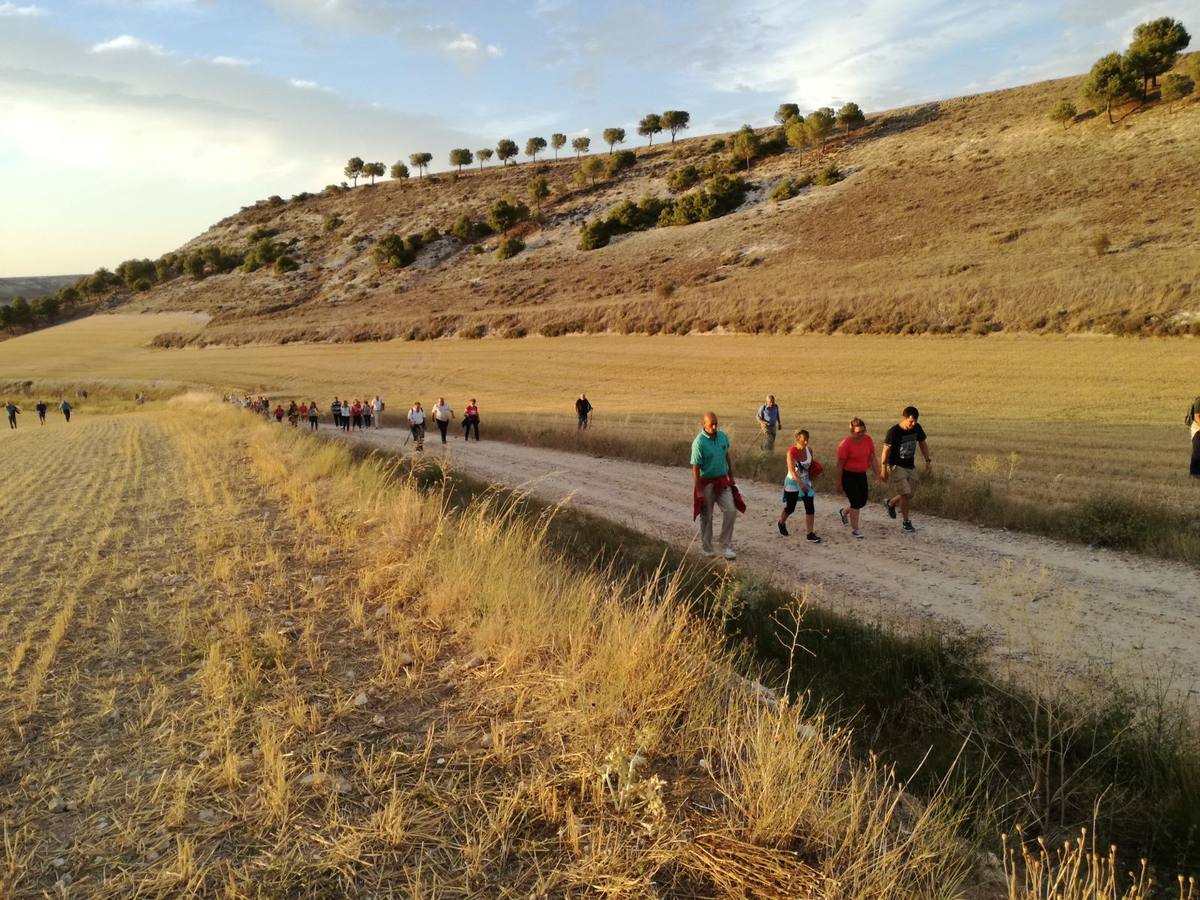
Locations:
(65, 409)
(471, 420)
(41, 411)
(713, 485)
(416, 424)
(583, 410)
(13, 411)
(898, 463)
(335, 410)
(855, 457)
(313, 415)
(442, 414)
(1194, 425)
(377, 408)
(769, 422)
(797, 486)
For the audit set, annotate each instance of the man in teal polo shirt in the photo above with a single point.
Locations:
(712, 484)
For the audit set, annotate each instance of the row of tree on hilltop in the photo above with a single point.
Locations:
(1118, 78)
(672, 121)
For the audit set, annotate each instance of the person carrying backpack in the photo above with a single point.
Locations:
(41, 411)
(65, 408)
(797, 486)
(1194, 426)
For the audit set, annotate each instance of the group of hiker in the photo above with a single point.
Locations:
(713, 483)
(13, 410)
(357, 415)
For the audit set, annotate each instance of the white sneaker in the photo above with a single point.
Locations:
(858, 534)
(729, 554)
(708, 553)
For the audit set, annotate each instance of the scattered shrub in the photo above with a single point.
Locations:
(665, 290)
(285, 264)
(683, 178)
(1100, 244)
(831, 174)
(331, 223)
(505, 213)
(263, 232)
(430, 234)
(618, 162)
(275, 200)
(467, 230)
(394, 251)
(142, 284)
(720, 195)
(1063, 112)
(263, 253)
(622, 218)
(509, 247)
(477, 249)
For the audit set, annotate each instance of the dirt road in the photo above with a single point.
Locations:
(1035, 597)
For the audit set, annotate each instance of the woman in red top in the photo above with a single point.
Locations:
(855, 457)
(471, 420)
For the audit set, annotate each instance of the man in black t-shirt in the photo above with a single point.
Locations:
(899, 462)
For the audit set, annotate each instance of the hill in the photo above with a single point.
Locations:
(975, 214)
(33, 286)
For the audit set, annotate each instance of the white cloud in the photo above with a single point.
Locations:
(233, 61)
(128, 43)
(400, 17)
(304, 84)
(12, 9)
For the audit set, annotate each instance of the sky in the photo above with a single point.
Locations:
(127, 127)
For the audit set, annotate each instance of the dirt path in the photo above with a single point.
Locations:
(1033, 596)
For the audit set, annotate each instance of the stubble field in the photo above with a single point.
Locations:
(237, 663)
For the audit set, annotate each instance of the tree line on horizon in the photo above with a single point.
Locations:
(1118, 78)
(507, 150)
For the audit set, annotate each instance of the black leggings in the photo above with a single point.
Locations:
(790, 498)
(1196, 455)
(312, 422)
(469, 423)
(442, 426)
(854, 486)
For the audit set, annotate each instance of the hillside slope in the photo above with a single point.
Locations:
(974, 214)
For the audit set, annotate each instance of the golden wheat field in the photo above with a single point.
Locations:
(237, 663)
(1046, 419)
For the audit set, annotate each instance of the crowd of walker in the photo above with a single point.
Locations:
(713, 482)
(361, 415)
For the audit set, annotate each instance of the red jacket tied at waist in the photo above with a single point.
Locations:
(718, 485)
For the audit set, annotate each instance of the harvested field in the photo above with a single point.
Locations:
(237, 663)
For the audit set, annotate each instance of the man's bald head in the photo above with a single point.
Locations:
(710, 423)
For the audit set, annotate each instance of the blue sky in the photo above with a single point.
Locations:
(129, 126)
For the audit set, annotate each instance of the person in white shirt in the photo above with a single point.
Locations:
(416, 424)
(442, 413)
(377, 407)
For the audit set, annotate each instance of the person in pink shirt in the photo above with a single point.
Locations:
(855, 457)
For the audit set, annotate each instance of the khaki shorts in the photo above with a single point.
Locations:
(906, 481)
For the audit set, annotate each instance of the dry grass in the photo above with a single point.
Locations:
(968, 215)
(264, 669)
